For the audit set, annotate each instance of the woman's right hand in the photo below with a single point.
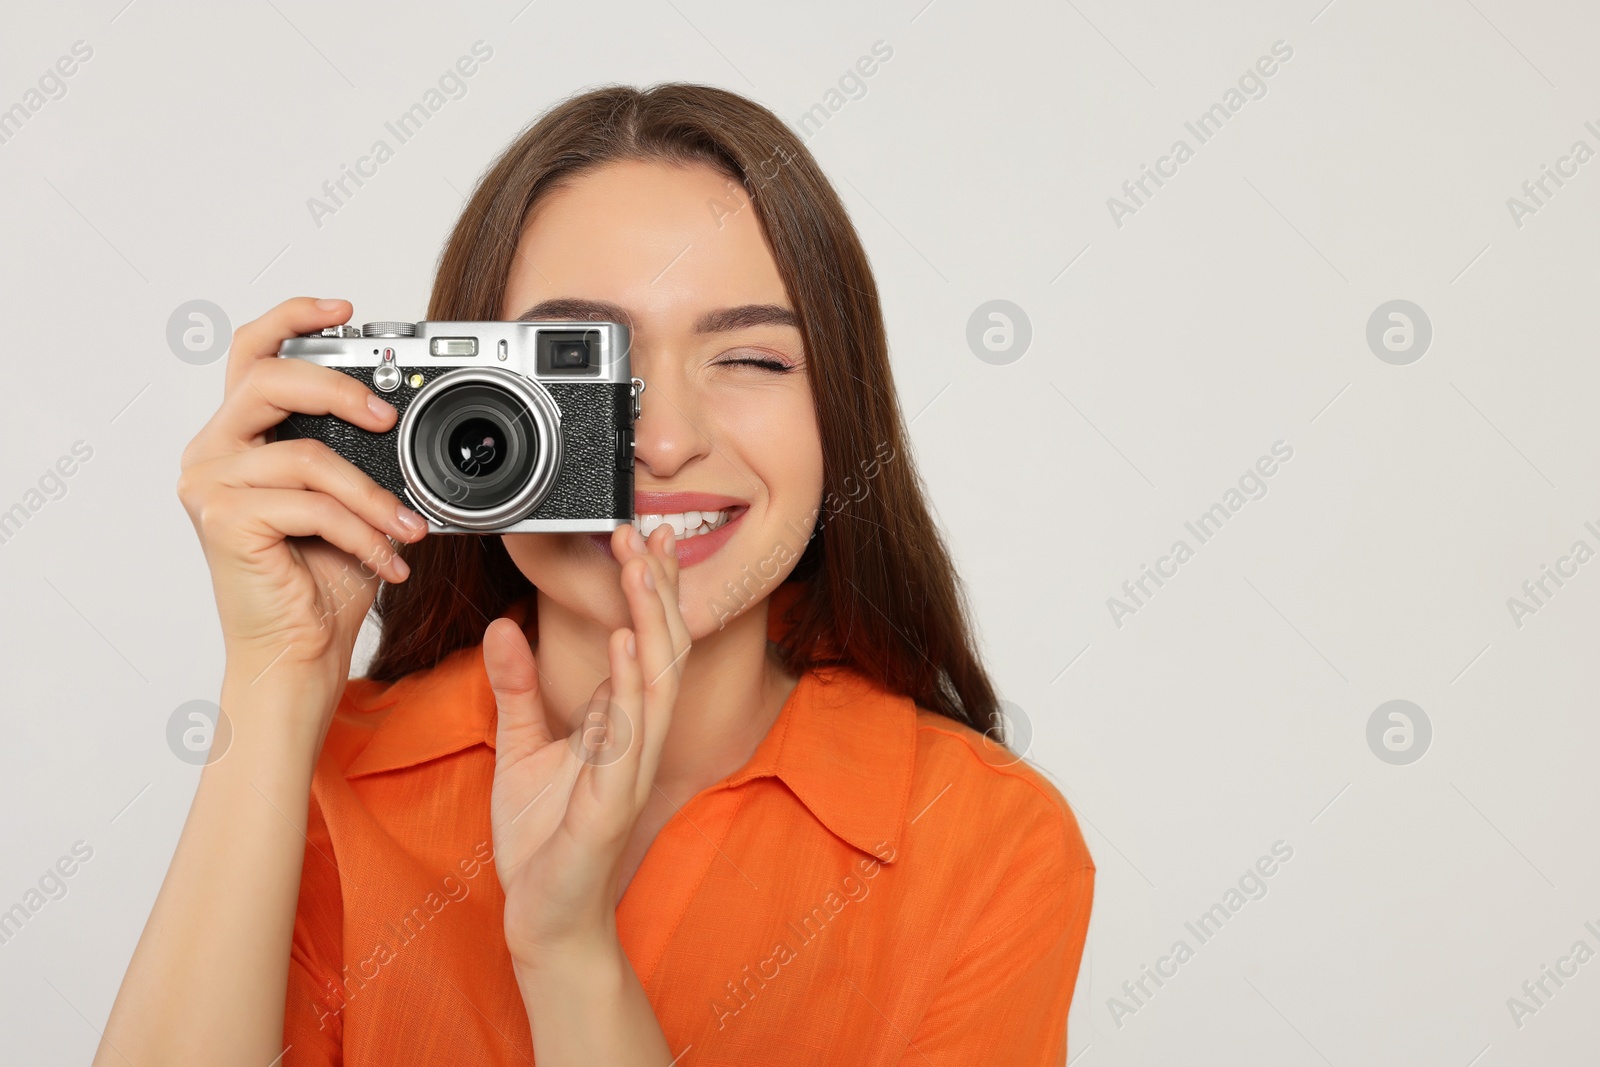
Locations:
(296, 536)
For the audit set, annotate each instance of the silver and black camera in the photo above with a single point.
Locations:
(504, 427)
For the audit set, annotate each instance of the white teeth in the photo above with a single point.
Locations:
(684, 525)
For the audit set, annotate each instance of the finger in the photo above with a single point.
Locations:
(663, 548)
(626, 542)
(280, 389)
(669, 555)
(514, 678)
(280, 513)
(657, 654)
(313, 465)
(660, 554)
(653, 718)
(622, 696)
(261, 338)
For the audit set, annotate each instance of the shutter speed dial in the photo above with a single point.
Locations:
(389, 329)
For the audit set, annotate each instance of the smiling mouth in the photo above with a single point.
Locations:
(685, 524)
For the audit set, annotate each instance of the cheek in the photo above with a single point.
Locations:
(530, 552)
(781, 444)
(568, 569)
(535, 556)
(772, 441)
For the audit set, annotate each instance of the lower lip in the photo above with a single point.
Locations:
(691, 550)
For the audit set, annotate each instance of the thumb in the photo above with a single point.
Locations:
(514, 678)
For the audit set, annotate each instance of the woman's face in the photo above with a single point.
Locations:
(727, 447)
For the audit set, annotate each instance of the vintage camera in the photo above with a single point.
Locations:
(504, 427)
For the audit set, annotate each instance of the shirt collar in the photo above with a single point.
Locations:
(845, 746)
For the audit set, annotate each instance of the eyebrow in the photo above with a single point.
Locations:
(741, 318)
(721, 320)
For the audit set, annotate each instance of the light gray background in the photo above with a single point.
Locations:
(1168, 354)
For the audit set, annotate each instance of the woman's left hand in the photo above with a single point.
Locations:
(563, 807)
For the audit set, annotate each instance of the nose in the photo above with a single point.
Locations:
(669, 434)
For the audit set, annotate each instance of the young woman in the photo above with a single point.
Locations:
(734, 781)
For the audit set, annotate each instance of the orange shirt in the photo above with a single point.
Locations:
(877, 885)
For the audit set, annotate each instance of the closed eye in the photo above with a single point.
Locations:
(775, 365)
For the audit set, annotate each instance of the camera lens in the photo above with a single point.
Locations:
(481, 448)
(477, 447)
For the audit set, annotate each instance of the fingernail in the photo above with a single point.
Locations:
(633, 647)
(401, 568)
(329, 305)
(670, 540)
(378, 406)
(635, 540)
(409, 520)
(649, 579)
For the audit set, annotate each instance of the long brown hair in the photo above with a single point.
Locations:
(878, 590)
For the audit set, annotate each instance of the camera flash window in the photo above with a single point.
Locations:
(454, 346)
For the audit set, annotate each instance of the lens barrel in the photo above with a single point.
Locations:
(480, 447)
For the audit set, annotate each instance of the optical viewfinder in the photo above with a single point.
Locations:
(573, 352)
